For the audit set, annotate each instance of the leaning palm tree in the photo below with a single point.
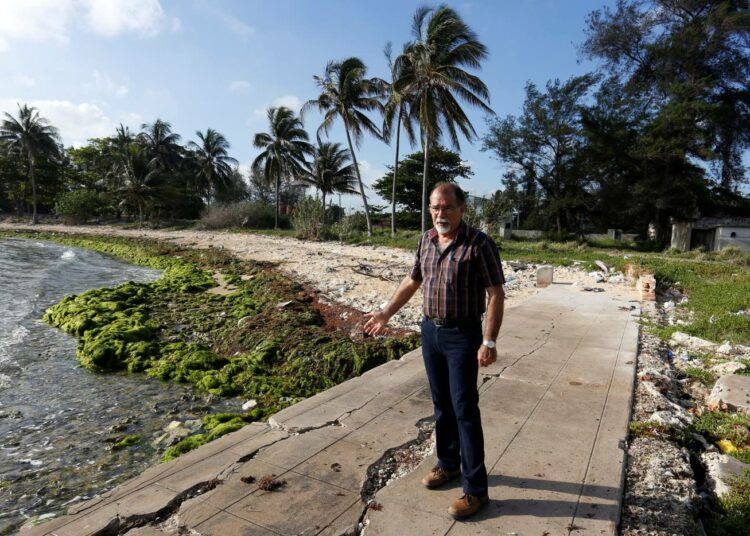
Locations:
(162, 144)
(347, 94)
(396, 108)
(443, 46)
(214, 165)
(32, 137)
(284, 149)
(331, 171)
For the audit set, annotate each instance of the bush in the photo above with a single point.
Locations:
(247, 215)
(78, 206)
(307, 219)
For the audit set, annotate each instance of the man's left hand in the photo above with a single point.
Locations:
(486, 356)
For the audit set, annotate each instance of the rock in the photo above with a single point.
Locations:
(603, 267)
(242, 322)
(731, 392)
(668, 305)
(730, 367)
(669, 418)
(721, 469)
(173, 426)
(683, 340)
(194, 424)
(646, 284)
(250, 404)
(725, 349)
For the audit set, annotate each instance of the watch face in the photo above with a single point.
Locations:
(489, 344)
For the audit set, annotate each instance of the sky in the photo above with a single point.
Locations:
(89, 65)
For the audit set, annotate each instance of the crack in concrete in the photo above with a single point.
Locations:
(527, 354)
(395, 463)
(296, 430)
(120, 526)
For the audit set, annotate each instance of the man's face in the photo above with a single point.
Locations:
(445, 210)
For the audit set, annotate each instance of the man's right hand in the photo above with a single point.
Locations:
(375, 322)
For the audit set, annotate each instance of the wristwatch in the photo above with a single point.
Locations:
(489, 344)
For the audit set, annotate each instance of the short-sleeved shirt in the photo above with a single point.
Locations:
(455, 280)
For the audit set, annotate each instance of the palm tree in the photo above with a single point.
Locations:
(30, 136)
(215, 166)
(284, 150)
(396, 107)
(139, 176)
(331, 171)
(347, 94)
(162, 144)
(443, 46)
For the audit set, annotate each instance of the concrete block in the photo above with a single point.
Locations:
(544, 276)
(732, 393)
(646, 284)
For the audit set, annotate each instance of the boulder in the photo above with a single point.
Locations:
(731, 392)
(250, 404)
(721, 469)
(544, 276)
(730, 367)
(688, 342)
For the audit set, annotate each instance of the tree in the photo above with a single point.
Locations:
(214, 162)
(545, 145)
(33, 137)
(445, 166)
(433, 73)
(346, 93)
(234, 189)
(140, 179)
(161, 144)
(396, 108)
(284, 150)
(331, 171)
(692, 59)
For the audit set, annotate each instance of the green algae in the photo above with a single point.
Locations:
(216, 425)
(172, 330)
(127, 441)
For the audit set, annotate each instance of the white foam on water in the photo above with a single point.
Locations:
(16, 336)
(69, 254)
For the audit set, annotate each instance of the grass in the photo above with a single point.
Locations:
(702, 375)
(730, 430)
(733, 516)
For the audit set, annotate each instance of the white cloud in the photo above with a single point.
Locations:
(238, 85)
(34, 20)
(55, 20)
(292, 102)
(369, 173)
(113, 17)
(104, 84)
(76, 122)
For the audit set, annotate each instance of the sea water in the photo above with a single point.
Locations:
(58, 421)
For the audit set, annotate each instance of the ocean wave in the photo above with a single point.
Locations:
(16, 336)
(69, 254)
(4, 380)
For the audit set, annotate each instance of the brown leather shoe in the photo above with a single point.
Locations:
(467, 505)
(439, 476)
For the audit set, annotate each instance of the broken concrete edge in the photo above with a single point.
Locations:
(118, 525)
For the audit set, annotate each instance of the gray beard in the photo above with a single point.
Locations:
(443, 228)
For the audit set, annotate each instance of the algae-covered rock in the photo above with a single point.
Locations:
(126, 442)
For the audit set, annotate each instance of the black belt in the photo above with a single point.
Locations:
(455, 322)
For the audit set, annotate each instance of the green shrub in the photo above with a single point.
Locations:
(78, 206)
(307, 219)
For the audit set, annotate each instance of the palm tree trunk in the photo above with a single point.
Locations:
(140, 215)
(359, 179)
(34, 217)
(323, 194)
(395, 174)
(425, 173)
(276, 218)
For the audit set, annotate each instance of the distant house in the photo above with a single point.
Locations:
(713, 234)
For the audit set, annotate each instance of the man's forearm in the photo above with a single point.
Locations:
(495, 307)
(403, 294)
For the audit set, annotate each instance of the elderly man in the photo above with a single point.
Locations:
(459, 265)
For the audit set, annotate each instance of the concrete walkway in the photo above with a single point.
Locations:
(555, 410)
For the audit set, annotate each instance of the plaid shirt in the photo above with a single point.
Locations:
(455, 280)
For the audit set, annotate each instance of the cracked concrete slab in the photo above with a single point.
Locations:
(555, 409)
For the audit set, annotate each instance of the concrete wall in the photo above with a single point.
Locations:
(740, 240)
(526, 234)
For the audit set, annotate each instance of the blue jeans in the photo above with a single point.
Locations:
(450, 359)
